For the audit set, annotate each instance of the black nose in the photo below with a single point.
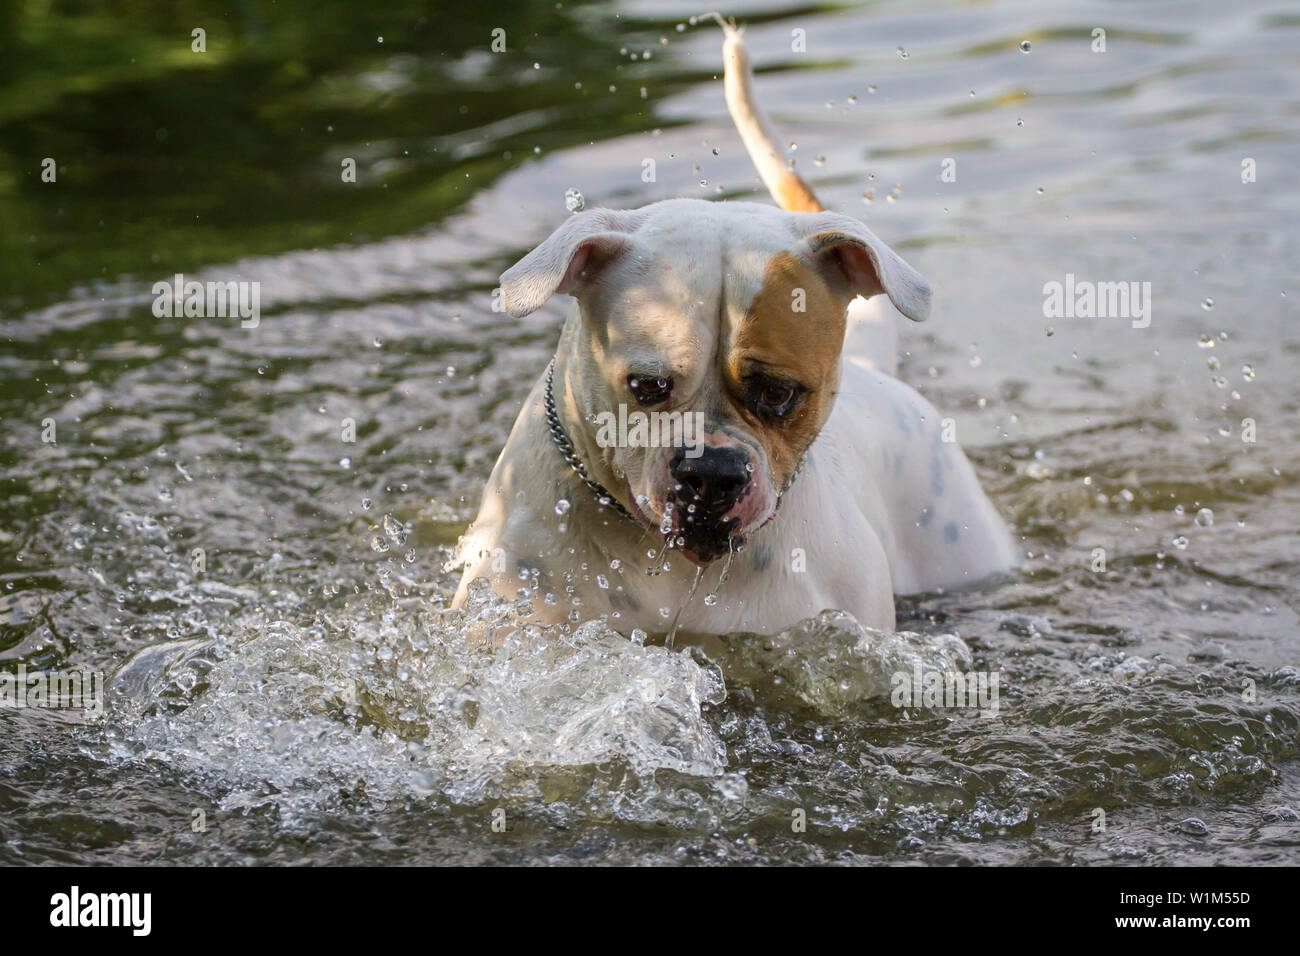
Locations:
(717, 477)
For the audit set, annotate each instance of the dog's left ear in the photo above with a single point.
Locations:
(852, 256)
(568, 259)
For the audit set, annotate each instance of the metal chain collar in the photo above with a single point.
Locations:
(567, 452)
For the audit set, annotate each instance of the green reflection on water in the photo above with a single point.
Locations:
(169, 159)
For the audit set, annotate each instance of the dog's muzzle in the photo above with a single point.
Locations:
(707, 488)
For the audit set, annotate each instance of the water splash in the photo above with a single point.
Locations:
(690, 596)
(712, 597)
(468, 705)
(837, 666)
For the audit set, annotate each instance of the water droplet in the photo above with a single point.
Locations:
(574, 201)
(1207, 304)
(902, 54)
(562, 506)
(1025, 46)
(1248, 372)
(1212, 364)
(1205, 342)
(710, 599)
(1180, 543)
(1205, 518)
(733, 786)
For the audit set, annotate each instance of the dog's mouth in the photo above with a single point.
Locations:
(705, 551)
(693, 529)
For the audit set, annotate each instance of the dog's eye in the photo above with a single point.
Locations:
(774, 399)
(650, 391)
(777, 395)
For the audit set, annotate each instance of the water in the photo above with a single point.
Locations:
(298, 684)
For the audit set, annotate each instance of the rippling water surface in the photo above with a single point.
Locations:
(304, 689)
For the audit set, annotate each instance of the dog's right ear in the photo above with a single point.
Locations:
(568, 259)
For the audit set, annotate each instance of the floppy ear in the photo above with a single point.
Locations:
(851, 255)
(567, 259)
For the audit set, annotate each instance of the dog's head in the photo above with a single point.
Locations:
(717, 327)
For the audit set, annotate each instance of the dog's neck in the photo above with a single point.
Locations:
(573, 409)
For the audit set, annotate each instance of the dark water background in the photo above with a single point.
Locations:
(304, 694)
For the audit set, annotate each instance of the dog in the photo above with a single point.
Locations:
(816, 479)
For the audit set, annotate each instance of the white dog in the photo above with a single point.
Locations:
(723, 389)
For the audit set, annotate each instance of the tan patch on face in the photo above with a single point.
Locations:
(785, 344)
